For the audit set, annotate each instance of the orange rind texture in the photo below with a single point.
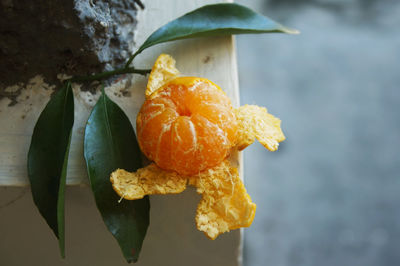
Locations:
(163, 71)
(254, 122)
(225, 204)
(148, 180)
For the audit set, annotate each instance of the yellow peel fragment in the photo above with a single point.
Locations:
(255, 122)
(225, 204)
(146, 181)
(163, 71)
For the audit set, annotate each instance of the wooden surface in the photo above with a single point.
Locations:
(213, 58)
(172, 238)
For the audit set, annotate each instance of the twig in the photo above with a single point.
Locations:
(105, 75)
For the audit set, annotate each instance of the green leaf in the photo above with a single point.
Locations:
(213, 20)
(110, 143)
(48, 159)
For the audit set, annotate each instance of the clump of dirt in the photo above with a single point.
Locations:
(74, 37)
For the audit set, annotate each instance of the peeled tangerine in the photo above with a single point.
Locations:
(188, 128)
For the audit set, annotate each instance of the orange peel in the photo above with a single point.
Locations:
(254, 122)
(225, 204)
(162, 71)
(148, 180)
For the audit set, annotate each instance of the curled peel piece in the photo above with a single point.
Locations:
(225, 204)
(163, 71)
(146, 181)
(254, 122)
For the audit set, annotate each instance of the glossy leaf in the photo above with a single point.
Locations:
(48, 159)
(213, 20)
(110, 143)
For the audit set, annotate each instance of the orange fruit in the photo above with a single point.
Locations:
(188, 125)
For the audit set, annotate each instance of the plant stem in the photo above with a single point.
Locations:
(132, 57)
(107, 74)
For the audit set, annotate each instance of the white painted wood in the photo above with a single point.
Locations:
(213, 58)
(172, 238)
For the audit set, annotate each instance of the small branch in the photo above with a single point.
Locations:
(132, 57)
(105, 75)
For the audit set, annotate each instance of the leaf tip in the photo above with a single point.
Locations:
(132, 260)
(62, 252)
(291, 31)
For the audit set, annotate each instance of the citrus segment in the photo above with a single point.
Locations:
(184, 143)
(255, 122)
(152, 124)
(213, 145)
(164, 149)
(146, 181)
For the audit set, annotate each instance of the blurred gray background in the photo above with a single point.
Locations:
(331, 194)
